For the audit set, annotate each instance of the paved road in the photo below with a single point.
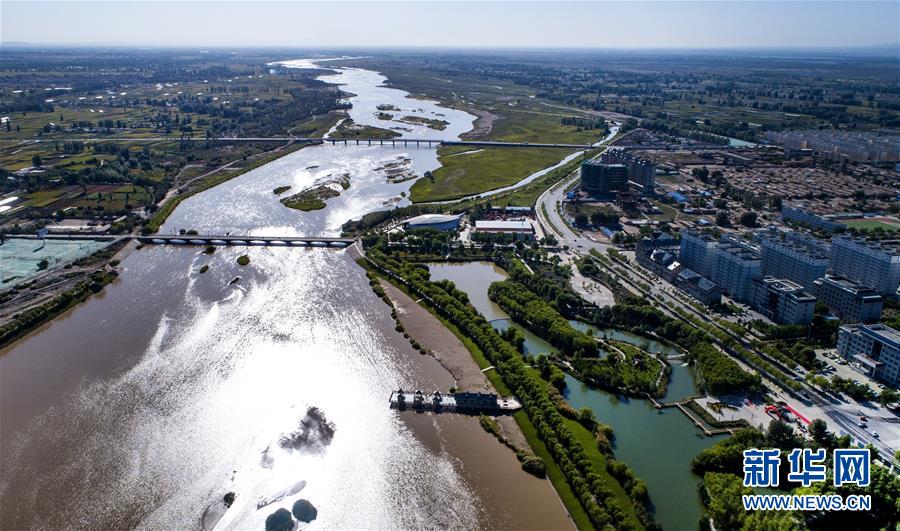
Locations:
(842, 416)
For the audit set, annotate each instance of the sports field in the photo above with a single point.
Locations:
(887, 224)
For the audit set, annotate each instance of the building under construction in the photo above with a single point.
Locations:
(616, 174)
(603, 180)
(641, 172)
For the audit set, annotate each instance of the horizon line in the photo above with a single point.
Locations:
(201, 47)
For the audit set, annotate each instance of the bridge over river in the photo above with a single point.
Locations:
(283, 241)
(429, 142)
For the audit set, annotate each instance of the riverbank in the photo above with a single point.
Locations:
(657, 444)
(165, 210)
(62, 290)
(534, 503)
(445, 347)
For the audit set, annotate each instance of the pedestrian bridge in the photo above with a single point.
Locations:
(268, 241)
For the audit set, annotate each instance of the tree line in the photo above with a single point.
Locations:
(591, 489)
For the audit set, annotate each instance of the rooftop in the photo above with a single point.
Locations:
(604, 164)
(850, 285)
(809, 249)
(427, 219)
(501, 225)
(890, 247)
(883, 333)
(738, 249)
(781, 284)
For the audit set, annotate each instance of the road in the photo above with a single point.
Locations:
(842, 416)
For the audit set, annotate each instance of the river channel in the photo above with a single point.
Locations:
(146, 404)
(658, 446)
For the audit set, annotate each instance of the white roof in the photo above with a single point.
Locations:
(430, 219)
(489, 225)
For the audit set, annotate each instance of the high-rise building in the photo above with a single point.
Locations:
(735, 265)
(602, 179)
(796, 257)
(800, 213)
(697, 249)
(873, 349)
(641, 172)
(782, 300)
(849, 300)
(871, 263)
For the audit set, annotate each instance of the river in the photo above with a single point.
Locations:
(658, 446)
(146, 404)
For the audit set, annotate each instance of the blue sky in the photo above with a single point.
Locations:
(621, 24)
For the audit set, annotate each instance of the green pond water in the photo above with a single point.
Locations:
(19, 257)
(658, 445)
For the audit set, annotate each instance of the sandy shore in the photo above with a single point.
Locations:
(433, 335)
(449, 351)
(482, 127)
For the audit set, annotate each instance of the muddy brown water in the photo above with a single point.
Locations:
(146, 404)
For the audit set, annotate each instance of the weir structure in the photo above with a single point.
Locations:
(459, 402)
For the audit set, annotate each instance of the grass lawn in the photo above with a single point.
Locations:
(668, 213)
(317, 126)
(554, 472)
(350, 130)
(492, 168)
(598, 464)
(488, 169)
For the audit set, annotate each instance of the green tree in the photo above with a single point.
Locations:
(586, 418)
(888, 397)
(722, 219)
(36, 161)
(781, 435)
(724, 491)
(748, 219)
(581, 219)
(818, 430)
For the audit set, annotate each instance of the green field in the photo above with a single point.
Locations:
(490, 168)
(462, 174)
(869, 224)
(598, 463)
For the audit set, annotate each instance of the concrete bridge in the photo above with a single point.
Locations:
(428, 142)
(269, 241)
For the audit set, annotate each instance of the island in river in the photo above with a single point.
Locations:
(313, 198)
